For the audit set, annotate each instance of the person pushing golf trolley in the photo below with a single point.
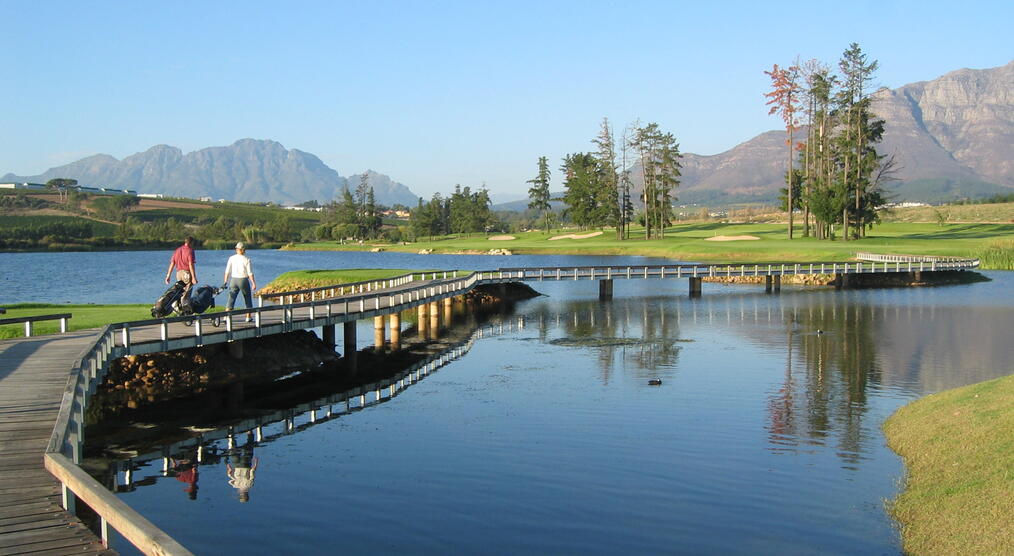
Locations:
(179, 299)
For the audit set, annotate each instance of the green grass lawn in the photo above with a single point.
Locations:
(304, 279)
(958, 448)
(83, 316)
(689, 242)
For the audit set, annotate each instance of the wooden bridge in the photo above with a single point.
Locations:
(47, 382)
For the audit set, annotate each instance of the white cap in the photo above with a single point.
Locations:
(240, 245)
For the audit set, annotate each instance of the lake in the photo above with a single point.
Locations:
(547, 436)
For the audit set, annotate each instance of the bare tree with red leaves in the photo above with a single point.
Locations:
(784, 99)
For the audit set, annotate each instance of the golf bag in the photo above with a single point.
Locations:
(169, 301)
(200, 301)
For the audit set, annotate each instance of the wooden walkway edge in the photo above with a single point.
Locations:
(33, 377)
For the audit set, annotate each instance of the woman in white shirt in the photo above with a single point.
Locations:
(239, 276)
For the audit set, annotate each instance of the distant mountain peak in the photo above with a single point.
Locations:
(256, 170)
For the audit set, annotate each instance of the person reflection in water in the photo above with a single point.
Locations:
(186, 472)
(241, 477)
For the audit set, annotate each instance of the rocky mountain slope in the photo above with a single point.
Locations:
(952, 137)
(247, 170)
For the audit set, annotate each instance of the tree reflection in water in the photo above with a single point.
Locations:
(826, 394)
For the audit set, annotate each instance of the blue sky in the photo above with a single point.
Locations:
(438, 93)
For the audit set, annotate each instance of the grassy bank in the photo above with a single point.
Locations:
(958, 448)
(983, 212)
(84, 316)
(304, 279)
(691, 242)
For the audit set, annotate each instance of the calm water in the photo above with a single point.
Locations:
(763, 438)
(138, 276)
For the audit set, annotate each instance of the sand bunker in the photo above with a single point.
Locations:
(501, 238)
(731, 238)
(576, 236)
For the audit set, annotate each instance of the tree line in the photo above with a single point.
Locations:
(600, 186)
(462, 212)
(834, 176)
(356, 216)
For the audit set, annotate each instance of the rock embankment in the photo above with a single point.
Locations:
(794, 279)
(501, 293)
(137, 380)
(871, 280)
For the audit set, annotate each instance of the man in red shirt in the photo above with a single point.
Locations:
(183, 259)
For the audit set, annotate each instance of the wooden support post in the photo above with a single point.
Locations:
(434, 325)
(422, 322)
(328, 333)
(448, 312)
(349, 347)
(378, 332)
(395, 324)
(767, 283)
(605, 290)
(235, 348)
(778, 283)
(695, 287)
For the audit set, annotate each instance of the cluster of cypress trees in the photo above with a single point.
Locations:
(599, 186)
(836, 176)
(463, 212)
(355, 216)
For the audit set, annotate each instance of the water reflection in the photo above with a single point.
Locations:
(637, 334)
(242, 467)
(185, 471)
(764, 436)
(189, 444)
(837, 347)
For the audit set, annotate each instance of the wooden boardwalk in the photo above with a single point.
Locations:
(33, 376)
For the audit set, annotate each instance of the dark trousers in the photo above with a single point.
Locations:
(237, 285)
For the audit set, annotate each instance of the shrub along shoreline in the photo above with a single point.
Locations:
(958, 449)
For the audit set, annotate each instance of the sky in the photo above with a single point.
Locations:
(436, 93)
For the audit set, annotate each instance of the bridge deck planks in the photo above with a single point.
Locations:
(33, 376)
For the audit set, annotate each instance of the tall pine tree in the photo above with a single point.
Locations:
(538, 193)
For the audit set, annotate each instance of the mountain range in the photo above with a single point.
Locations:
(248, 170)
(952, 137)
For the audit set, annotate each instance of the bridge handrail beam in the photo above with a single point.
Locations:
(30, 320)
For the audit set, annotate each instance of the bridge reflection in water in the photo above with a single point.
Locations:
(833, 357)
(799, 382)
(125, 466)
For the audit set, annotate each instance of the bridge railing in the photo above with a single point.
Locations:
(30, 321)
(726, 270)
(345, 308)
(880, 257)
(63, 456)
